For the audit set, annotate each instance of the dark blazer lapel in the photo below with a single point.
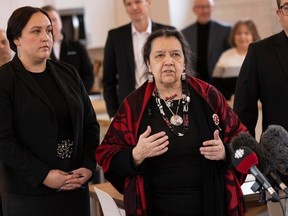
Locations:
(29, 82)
(211, 39)
(282, 51)
(128, 43)
(155, 26)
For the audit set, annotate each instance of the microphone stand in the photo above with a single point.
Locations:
(262, 196)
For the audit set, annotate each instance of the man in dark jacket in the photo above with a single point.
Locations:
(123, 64)
(71, 52)
(208, 39)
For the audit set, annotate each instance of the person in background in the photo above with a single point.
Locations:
(167, 148)
(71, 52)
(123, 65)
(48, 131)
(5, 51)
(5, 56)
(207, 39)
(227, 69)
(264, 76)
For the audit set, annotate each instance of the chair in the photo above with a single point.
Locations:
(108, 205)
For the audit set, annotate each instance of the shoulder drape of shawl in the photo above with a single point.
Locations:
(123, 133)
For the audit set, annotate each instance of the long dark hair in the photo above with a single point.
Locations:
(170, 33)
(18, 20)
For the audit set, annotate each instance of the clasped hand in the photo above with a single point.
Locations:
(61, 180)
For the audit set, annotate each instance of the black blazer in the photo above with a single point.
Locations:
(74, 53)
(264, 76)
(119, 65)
(28, 129)
(218, 42)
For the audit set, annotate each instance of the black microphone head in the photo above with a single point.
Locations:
(275, 142)
(245, 139)
(243, 159)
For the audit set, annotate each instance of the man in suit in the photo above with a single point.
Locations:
(123, 64)
(264, 76)
(71, 52)
(207, 38)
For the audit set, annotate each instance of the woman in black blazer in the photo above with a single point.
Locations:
(48, 131)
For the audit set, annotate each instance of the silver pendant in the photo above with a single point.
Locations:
(169, 103)
(176, 120)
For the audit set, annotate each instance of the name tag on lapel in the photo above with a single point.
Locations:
(71, 53)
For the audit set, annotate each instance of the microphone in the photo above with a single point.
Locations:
(275, 141)
(266, 165)
(245, 160)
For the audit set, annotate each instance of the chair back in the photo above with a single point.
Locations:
(108, 205)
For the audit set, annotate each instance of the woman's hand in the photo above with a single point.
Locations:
(61, 180)
(78, 177)
(150, 146)
(214, 149)
(55, 179)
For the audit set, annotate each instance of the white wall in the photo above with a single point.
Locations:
(262, 12)
(98, 21)
(181, 14)
(8, 6)
(103, 15)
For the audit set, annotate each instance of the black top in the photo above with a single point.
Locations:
(202, 49)
(57, 100)
(29, 138)
(176, 177)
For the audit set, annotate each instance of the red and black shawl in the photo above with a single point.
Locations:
(123, 133)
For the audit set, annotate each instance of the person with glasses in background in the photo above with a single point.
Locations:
(208, 39)
(264, 76)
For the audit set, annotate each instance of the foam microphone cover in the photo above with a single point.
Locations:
(243, 139)
(243, 159)
(246, 140)
(275, 142)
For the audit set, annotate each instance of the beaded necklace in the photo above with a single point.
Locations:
(175, 119)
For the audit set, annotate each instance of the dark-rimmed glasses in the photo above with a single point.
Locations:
(284, 9)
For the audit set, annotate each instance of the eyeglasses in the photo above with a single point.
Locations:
(284, 9)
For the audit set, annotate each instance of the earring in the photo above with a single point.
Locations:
(18, 52)
(150, 77)
(183, 75)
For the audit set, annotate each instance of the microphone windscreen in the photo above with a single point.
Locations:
(245, 139)
(275, 141)
(243, 159)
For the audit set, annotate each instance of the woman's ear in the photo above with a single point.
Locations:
(17, 42)
(148, 65)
